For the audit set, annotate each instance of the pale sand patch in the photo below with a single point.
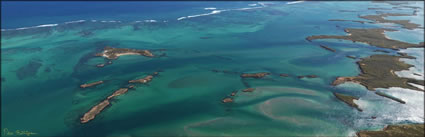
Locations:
(276, 109)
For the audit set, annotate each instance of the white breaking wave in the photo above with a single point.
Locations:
(219, 11)
(210, 8)
(39, 26)
(77, 21)
(294, 2)
(110, 21)
(252, 5)
(151, 21)
(198, 15)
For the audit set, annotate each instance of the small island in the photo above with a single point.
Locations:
(327, 48)
(248, 90)
(91, 84)
(255, 75)
(351, 57)
(390, 97)
(227, 100)
(95, 110)
(114, 53)
(142, 80)
(348, 100)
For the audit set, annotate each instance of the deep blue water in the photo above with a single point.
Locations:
(25, 14)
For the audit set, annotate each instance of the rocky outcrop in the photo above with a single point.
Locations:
(142, 80)
(327, 48)
(227, 100)
(91, 114)
(91, 84)
(390, 97)
(255, 75)
(407, 130)
(349, 100)
(351, 57)
(95, 110)
(118, 93)
(248, 90)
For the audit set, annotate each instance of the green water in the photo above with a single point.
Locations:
(185, 99)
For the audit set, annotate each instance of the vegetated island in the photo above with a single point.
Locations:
(380, 18)
(405, 130)
(374, 37)
(95, 110)
(113, 53)
(349, 100)
(377, 71)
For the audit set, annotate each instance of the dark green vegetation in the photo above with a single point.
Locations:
(408, 130)
(375, 37)
(377, 71)
(348, 100)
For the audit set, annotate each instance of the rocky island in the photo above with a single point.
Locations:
(91, 84)
(95, 110)
(390, 97)
(327, 48)
(227, 100)
(248, 90)
(377, 71)
(374, 37)
(349, 100)
(113, 53)
(255, 75)
(142, 80)
(407, 130)
(381, 19)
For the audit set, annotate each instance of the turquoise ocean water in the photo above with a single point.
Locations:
(42, 68)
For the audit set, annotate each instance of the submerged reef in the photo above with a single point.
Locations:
(28, 70)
